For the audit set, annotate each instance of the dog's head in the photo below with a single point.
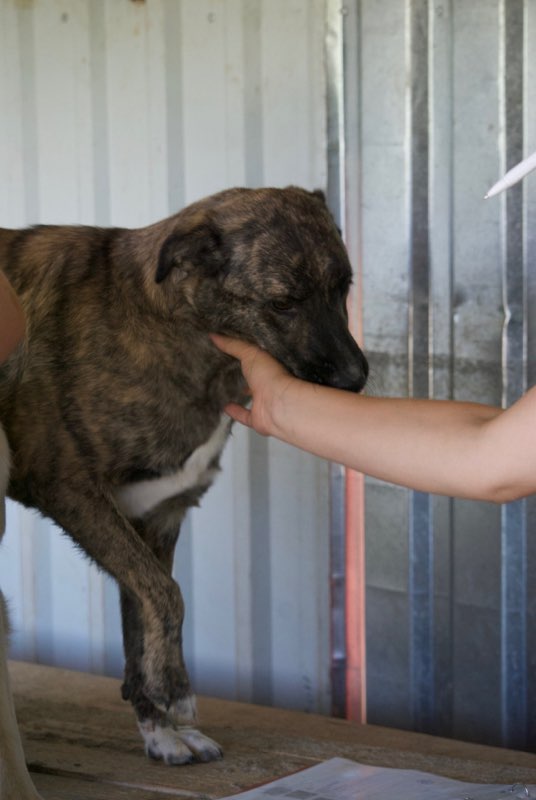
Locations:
(268, 266)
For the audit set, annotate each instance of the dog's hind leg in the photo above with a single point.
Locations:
(15, 781)
(171, 737)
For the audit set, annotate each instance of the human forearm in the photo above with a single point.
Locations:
(428, 445)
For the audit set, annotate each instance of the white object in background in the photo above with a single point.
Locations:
(513, 176)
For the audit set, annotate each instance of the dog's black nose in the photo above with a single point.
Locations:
(350, 383)
(352, 377)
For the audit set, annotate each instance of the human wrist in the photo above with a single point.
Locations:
(284, 406)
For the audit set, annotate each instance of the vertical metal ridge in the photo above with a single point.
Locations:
(419, 245)
(253, 120)
(447, 690)
(259, 459)
(29, 126)
(337, 591)
(514, 722)
(441, 345)
(261, 568)
(174, 104)
(529, 234)
(420, 522)
(356, 671)
(346, 487)
(333, 58)
(99, 112)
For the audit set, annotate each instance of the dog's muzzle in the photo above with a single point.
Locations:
(349, 372)
(352, 377)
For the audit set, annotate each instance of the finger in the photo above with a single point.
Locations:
(239, 413)
(233, 347)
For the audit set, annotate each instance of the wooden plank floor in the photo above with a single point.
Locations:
(81, 742)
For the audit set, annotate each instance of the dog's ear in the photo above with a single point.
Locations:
(318, 193)
(200, 246)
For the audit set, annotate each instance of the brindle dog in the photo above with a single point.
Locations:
(113, 405)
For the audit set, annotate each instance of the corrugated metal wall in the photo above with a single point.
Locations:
(116, 112)
(444, 92)
(119, 112)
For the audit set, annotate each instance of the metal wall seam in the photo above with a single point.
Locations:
(347, 488)
(335, 108)
(441, 188)
(419, 343)
(514, 364)
(529, 233)
(356, 680)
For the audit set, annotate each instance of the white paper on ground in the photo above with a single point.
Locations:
(341, 779)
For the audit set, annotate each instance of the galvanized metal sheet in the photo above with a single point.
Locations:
(448, 310)
(202, 94)
(119, 113)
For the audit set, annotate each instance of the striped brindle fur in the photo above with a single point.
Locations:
(113, 406)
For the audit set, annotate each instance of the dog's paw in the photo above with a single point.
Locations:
(177, 745)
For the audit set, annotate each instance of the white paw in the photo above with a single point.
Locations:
(177, 745)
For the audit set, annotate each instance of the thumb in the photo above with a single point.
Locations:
(239, 413)
(233, 347)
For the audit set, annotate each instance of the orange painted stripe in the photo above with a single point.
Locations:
(356, 697)
(356, 685)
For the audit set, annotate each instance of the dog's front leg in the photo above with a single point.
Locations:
(171, 736)
(93, 520)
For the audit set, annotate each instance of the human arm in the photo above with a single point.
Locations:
(453, 448)
(12, 324)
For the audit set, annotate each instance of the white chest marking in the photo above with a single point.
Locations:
(137, 499)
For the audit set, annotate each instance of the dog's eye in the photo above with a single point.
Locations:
(283, 305)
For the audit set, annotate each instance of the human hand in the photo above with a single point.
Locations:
(267, 382)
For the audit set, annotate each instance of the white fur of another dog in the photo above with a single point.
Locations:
(15, 781)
